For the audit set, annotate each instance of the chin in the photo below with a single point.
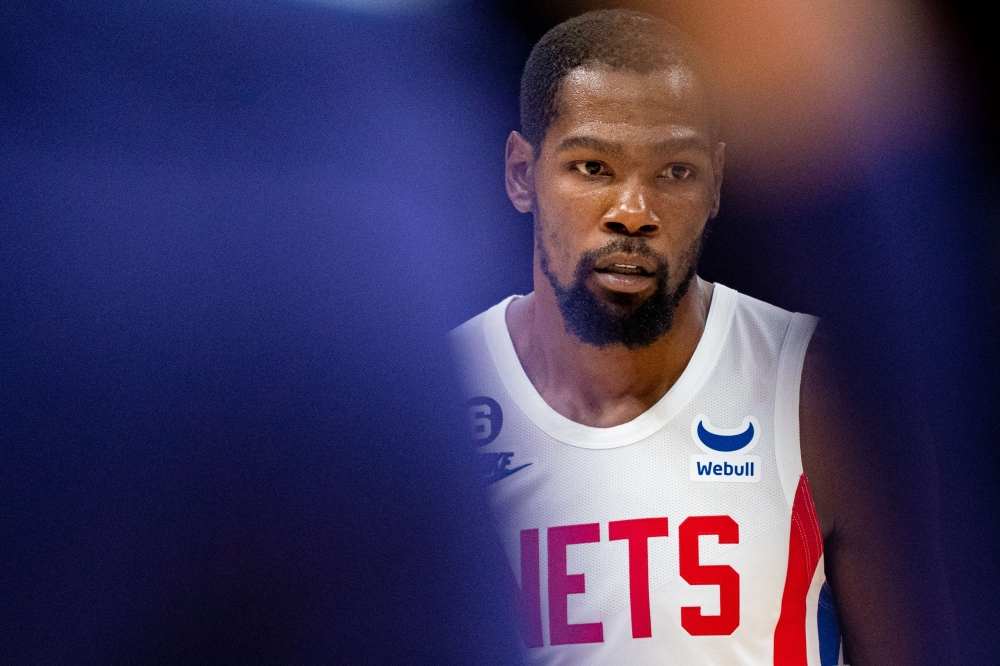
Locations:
(622, 303)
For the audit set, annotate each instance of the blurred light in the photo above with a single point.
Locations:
(381, 7)
(813, 90)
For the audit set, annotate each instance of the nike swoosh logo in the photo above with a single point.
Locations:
(504, 473)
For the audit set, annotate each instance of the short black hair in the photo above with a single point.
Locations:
(617, 38)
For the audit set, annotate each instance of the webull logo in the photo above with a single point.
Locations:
(725, 448)
(710, 468)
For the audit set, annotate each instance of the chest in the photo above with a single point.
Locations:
(611, 545)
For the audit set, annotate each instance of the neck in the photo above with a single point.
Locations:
(602, 387)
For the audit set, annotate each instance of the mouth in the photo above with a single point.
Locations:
(626, 273)
(622, 263)
(625, 269)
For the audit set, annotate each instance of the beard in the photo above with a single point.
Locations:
(624, 319)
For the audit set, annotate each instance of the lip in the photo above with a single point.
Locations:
(625, 273)
(624, 283)
(626, 265)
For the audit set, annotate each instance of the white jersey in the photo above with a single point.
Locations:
(685, 536)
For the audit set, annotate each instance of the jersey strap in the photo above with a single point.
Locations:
(805, 548)
(786, 404)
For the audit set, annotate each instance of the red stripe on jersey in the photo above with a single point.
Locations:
(805, 546)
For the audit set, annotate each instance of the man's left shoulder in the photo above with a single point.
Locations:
(768, 326)
(764, 310)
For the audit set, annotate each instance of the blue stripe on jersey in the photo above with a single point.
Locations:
(828, 629)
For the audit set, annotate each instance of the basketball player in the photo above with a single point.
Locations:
(672, 473)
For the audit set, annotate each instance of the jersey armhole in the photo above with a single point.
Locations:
(787, 453)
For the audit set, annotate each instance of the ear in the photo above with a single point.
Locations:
(718, 161)
(519, 175)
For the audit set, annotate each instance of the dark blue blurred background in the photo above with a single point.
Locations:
(232, 241)
(234, 234)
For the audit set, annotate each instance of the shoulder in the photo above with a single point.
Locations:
(470, 341)
(756, 307)
(767, 328)
(467, 343)
(467, 331)
(472, 330)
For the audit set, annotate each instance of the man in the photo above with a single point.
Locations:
(672, 473)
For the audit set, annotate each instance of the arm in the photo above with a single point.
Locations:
(874, 482)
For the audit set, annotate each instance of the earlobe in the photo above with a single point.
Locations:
(520, 162)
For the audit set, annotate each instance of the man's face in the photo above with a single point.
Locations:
(624, 183)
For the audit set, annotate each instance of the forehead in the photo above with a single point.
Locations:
(628, 105)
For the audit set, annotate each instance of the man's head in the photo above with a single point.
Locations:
(620, 164)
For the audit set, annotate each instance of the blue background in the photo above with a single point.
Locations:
(233, 236)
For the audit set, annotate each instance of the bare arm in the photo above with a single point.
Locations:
(874, 482)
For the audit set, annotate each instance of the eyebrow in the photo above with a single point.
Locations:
(591, 143)
(614, 148)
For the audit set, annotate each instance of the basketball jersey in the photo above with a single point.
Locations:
(686, 536)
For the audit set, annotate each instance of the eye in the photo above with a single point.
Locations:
(591, 168)
(678, 172)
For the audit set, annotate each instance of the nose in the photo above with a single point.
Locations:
(630, 213)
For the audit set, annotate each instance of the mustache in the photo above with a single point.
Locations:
(624, 245)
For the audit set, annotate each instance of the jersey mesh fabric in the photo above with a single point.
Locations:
(572, 481)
